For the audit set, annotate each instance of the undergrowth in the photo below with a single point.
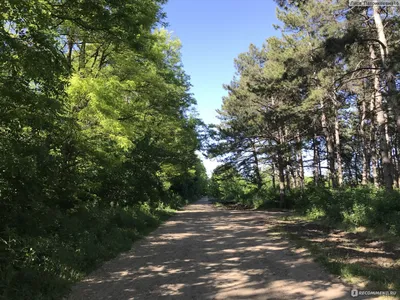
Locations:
(43, 261)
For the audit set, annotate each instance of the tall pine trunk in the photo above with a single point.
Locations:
(300, 169)
(381, 124)
(365, 166)
(339, 171)
(329, 146)
(287, 177)
(82, 56)
(396, 161)
(273, 176)
(257, 166)
(389, 73)
(281, 169)
(374, 156)
(316, 161)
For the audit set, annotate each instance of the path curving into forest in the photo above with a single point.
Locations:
(208, 253)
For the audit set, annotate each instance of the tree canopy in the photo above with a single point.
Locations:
(321, 99)
(96, 116)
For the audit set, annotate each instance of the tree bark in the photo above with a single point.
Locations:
(329, 146)
(273, 176)
(339, 171)
(396, 166)
(380, 118)
(287, 177)
(300, 170)
(295, 180)
(374, 158)
(281, 179)
(317, 169)
(356, 172)
(70, 43)
(396, 162)
(281, 170)
(365, 166)
(256, 166)
(389, 73)
(82, 56)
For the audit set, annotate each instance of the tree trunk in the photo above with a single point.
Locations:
(287, 176)
(374, 158)
(295, 179)
(389, 73)
(281, 168)
(365, 167)
(273, 176)
(339, 171)
(317, 169)
(329, 146)
(380, 118)
(257, 166)
(300, 170)
(70, 43)
(82, 56)
(396, 164)
(291, 167)
(356, 172)
(390, 148)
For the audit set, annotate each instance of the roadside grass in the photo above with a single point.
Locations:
(378, 232)
(368, 258)
(233, 206)
(82, 241)
(353, 232)
(364, 258)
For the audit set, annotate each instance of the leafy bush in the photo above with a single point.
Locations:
(43, 267)
(265, 198)
(315, 213)
(362, 206)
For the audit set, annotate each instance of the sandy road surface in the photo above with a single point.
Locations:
(208, 253)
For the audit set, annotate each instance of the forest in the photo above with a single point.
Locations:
(100, 142)
(98, 137)
(312, 118)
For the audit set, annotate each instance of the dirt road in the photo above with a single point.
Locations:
(209, 253)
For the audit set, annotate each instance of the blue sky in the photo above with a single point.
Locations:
(213, 34)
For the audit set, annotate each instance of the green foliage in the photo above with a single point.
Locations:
(43, 267)
(227, 185)
(352, 272)
(266, 198)
(363, 206)
(98, 137)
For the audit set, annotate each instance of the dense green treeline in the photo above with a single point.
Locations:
(98, 137)
(365, 206)
(311, 117)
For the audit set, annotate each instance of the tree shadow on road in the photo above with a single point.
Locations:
(374, 261)
(205, 253)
